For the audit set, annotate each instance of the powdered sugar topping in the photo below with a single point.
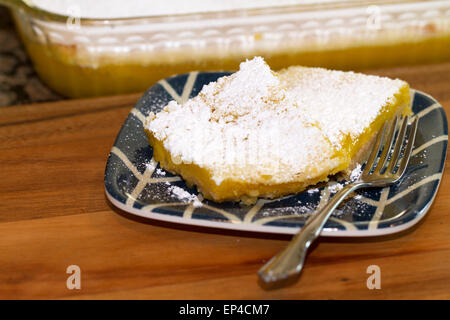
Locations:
(245, 126)
(342, 103)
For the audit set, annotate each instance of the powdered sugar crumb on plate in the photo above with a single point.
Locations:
(160, 172)
(183, 195)
(356, 173)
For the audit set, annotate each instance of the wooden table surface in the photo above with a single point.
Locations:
(54, 213)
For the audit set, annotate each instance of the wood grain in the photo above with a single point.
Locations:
(54, 213)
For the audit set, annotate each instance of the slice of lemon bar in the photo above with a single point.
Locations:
(253, 134)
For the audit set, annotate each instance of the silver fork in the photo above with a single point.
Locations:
(386, 171)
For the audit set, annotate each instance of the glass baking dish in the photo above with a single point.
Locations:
(80, 57)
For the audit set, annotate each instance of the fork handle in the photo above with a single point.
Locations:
(289, 261)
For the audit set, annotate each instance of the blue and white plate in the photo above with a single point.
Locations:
(135, 183)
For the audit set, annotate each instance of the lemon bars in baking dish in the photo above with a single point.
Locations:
(258, 133)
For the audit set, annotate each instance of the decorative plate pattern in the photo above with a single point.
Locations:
(135, 183)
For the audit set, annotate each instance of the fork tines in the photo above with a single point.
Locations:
(389, 142)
